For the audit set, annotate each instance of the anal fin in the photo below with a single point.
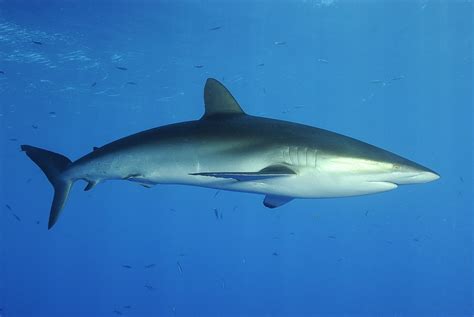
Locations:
(90, 185)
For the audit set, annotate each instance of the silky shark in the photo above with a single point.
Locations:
(230, 150)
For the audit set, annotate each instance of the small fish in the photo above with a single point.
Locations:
(172, 209)
(149, 266)
(216, 213)
(292, 233)
(127, 306)
(180, 268)
(118, 312)
(16, 217)
(234, 208)
(149, 287)
(198, 66)
(13, 139)
(322, 60)
(126, 266)
(397, 78)
(52, 114)
(416, 239)
(121, 68)
(366, 213)
(279, 42)
(34, 126)
(217, 193)
(131, 83)
(215, 28)
(332, 237)
(461, 179)
(261, 65)
(2, 72)
(275, 254)
(8, 207)
(377, 81)
(28, 180)
(94, 84)
(37, 42)
(37, 222)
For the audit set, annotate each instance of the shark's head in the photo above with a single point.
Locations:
(408, 173)
(366, 175)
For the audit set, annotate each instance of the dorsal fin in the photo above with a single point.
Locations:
(218, 100)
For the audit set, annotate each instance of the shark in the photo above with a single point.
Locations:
(228, 149)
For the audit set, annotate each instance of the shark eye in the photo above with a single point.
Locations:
(396, 167)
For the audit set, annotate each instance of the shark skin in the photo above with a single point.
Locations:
(230, 150)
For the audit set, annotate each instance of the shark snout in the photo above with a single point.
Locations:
(414, 174)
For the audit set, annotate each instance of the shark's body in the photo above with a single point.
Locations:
(228, 149)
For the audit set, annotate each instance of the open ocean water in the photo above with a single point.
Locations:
(79, 74)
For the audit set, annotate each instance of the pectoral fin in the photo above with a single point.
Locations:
(273, 201)
(268, 172)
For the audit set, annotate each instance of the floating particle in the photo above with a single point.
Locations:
(215, 28)
(275, 254)
(126, 266)
(34, 126)
(332, 237)
(180, 268)
(397, 78)
(37, 42)
(261, 65)
(149, 266)
(93, 84)
(121, 68)
(131, 83)
(52, 114)
(198, 66)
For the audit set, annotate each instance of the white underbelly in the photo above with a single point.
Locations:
(298, 186)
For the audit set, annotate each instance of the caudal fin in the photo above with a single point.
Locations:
(52, 165)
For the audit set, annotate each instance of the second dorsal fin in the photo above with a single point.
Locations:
(218, 100)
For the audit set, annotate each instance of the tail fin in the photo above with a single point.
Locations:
(52, 165)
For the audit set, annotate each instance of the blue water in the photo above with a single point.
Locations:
(396, 74)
